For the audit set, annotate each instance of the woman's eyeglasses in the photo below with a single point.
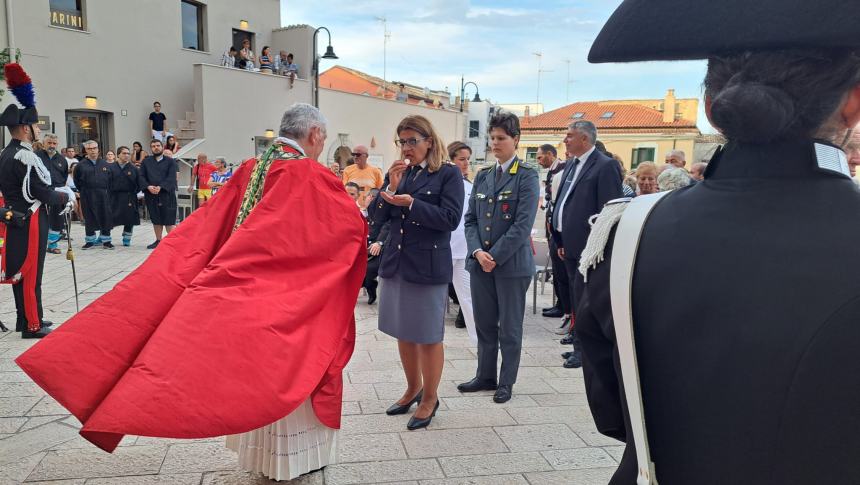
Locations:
(410, 142)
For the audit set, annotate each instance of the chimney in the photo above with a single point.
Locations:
(669, 107)
(526, 114)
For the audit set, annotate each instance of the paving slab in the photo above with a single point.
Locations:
(539, 437)
(593, 476)
(579, 458)
(370, 447)
(382, 472)
(95, 463)
(26, 443)
(494, 464)
(198, 457)
(452, 442)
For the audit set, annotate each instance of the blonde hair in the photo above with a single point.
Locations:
(420, 124)
(646, 167)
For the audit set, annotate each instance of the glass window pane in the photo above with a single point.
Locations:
(67, 5)
(474, 129)
(190, 27)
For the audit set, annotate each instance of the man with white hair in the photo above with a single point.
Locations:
(673, 178)
(92, 178)
(275, 261)
(677, 158)
(58, 166)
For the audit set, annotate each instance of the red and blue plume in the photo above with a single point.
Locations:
(20, 84)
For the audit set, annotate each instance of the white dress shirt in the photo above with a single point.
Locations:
(458, 236)
(560, 207)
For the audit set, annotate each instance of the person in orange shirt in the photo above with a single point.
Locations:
(362, 174)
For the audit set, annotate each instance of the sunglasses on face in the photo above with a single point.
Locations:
(356, 155)
(410, 142)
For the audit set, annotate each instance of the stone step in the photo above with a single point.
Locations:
(191, 116)
(185, 124)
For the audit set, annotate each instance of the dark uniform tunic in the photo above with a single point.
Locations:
(12, 173)
(125, 184)
(93, 181)
(160, 173)
(499, 220)
(59, 168)
(747, 354)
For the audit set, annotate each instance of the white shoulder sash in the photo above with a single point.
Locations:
(621, 286)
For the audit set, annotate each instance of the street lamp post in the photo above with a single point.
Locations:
(329, 54)
(463, 92)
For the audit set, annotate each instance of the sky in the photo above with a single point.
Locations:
(493, 44)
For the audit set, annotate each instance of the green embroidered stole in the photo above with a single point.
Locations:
(254, 191)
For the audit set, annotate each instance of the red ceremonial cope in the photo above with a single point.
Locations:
(220, 332)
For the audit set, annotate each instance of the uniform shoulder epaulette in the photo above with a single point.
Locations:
(529, 165)
(601, 227)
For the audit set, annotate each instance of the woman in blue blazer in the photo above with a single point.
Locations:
(423, 201)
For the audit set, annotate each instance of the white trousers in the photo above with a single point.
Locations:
(464, 294)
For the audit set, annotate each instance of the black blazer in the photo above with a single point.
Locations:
(599, 182)
(419, 241)
(750, 378)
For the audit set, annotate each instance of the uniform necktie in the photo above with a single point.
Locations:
(498, 173)
(565, 188)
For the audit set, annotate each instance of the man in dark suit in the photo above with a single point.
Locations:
(376, 237)
(547, 158)
(590, 180)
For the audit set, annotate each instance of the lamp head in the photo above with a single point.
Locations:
(329, 53)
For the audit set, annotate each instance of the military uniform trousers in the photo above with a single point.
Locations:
(499, 304)
(17, 240)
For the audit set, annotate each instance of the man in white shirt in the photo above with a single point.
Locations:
(590, 180)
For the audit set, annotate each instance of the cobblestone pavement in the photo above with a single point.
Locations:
(544, 435)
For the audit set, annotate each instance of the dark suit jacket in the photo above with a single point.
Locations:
(599, 182)
(748, 356)
(419, 241)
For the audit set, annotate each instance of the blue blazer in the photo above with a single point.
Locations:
(419, 241)
(599, 182)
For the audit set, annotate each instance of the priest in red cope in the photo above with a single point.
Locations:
(276, 260)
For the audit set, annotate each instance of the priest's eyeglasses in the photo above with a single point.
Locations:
(411, 142)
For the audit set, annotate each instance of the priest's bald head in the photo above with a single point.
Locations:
(305, 125)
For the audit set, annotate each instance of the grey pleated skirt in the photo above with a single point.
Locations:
(412, 312)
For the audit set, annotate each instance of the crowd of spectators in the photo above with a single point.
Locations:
(281, 64)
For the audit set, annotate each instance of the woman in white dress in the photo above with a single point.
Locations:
(459, 153)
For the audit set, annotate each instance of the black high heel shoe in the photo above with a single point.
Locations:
(396, 409)
(418, 423)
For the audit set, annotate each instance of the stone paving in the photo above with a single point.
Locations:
(544, 435)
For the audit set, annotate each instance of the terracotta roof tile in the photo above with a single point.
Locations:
(624, 117)
(349, 80)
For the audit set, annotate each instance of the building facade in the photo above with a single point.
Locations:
(633, 132)
(98, 65)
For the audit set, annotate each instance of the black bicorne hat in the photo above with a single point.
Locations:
(700, 29)
(15, 116)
